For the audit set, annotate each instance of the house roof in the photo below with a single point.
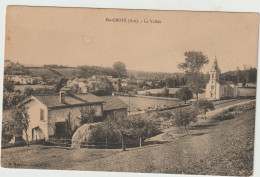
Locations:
(113, 103)
(53, 101)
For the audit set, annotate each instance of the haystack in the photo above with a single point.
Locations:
(83, 134)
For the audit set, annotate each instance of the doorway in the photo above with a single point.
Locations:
(60, 130)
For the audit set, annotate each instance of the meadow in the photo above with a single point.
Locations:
(143, 103)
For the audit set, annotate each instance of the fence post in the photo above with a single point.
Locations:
(106, 142)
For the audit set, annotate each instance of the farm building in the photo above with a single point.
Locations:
(50, 115)
(216, 90)
(114, 106)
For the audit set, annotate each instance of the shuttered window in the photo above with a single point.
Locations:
(42, 114)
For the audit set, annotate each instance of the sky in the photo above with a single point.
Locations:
(82, 36)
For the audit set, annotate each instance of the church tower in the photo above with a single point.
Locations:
(212, 89)
(215, 71)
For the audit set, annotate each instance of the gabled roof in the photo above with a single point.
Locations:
(113, 103)
(53, 101)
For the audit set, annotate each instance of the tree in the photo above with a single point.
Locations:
(204, 106)
(87, 115)
(9, 131)
(184, 94)
(11, 99)
(28, 91)
(120, 68)
(183, 118)
(61, 83)
(122, 124)
(165, 92)
(21, 121)
(194, 61)
(8, 86)
(143, 125)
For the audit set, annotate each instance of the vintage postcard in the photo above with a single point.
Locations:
(119, 90)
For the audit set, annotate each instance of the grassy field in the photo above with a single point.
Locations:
(215, 148)
(42, 72)
(143, 103)
(57, 72)
(155, 91)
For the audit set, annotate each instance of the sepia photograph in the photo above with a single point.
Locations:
(120, 90)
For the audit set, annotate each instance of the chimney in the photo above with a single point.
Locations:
(63, 92)
(62, 96)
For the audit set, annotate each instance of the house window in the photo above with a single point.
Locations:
(41, 114)
(212, 86)
(212, 75)
(211, 95)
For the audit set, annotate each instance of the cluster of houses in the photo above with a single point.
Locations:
(23, 79)
(86, 84)
(49, 114)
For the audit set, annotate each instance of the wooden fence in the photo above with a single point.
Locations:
(93, 144)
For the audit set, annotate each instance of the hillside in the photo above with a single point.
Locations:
(53, 72)
(214, 148)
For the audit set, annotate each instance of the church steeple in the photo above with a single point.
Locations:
(215, 65)
(215, 71)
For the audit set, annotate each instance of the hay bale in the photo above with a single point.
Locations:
(83, 134)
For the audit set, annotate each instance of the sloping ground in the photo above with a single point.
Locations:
(68, 73)
(54, 72)
(43, 72)
(172, 133)
(216, 149)
(224, 148)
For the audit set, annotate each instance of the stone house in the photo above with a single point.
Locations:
(48, 114)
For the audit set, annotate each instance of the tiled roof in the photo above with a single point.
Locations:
(113, 103)
(52, 101)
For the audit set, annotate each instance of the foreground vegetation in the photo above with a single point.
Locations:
(219, 147)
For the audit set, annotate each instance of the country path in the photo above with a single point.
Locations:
(173, 133)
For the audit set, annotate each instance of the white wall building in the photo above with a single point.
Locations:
(216, 90)
(48, 114)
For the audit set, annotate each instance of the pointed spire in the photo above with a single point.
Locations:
(215, 65)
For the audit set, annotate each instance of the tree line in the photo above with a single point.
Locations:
(247, 75)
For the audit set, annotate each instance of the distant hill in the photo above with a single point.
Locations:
(66, 72)
(59, 71)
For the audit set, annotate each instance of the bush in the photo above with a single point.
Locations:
(148, 93)
(165, 114)
(101, 134)
(234, 111)
(224, 116)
